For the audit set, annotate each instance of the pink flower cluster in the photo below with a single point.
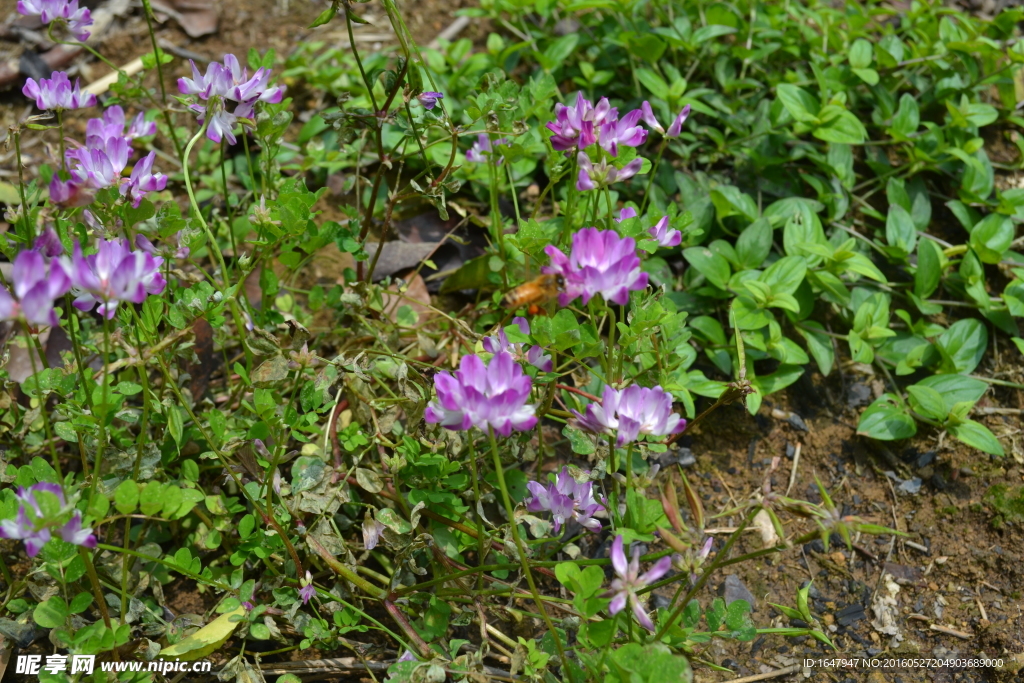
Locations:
(600, 262)
(78, 20)
(224, 83)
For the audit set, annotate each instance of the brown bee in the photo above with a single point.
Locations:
(535, 292)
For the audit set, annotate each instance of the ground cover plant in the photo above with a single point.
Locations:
(649, 213)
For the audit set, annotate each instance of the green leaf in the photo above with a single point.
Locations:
(754, 244)
(991, 237)
(783, 376)
(860, 54)
(581, 443)
(175, 426)
(842, 126)
(885, 421)
(927, 402)
(126, 497)
(800, 104)
(955, 389)
(929, 268)
(785, 275)
(706, 33)
(908, 117)
(731, 201)
(52, 613)
(977, 435)
(151, 498)
(653, 82)
(80, 602)
(819, 344)
(899, 229)
(712, 266)
(963, 345)
(647, 46)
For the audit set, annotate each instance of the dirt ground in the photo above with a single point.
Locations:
(955, 593)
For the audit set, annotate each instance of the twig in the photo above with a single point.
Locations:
(951, 631)
(796, 463)
(771, 674)
(100, 86)
(454, 29)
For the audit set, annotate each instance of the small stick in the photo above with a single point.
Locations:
(796, 463)
(771, 674)
(916, 546)
(981, 608)
(98, 87)
(951, 631)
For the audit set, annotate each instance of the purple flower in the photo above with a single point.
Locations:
(628, 581)
(112, 125)
(306, 588)
(566, 499)
(248, 605)
(600, 262)
(143, 180)
(113, 274)
(36, 285)
(624, 131)
(535, 356)
(579, 125)
(429, 99)
(602, 173)
(482, 149)
(407, 656)
(56, 93)
(77, 20)
(666, 237)
(626, 213)
(101, 164)
(372, 529)
(224, 83)
(48, 244)
(483, 396)
(33, 525)
(631, 412)
(674, 129)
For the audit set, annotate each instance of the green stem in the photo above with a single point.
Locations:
(523, 559)
(41, 397)
(29, 232)
(482, 541)
(654, 173)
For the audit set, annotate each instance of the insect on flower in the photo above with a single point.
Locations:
(537, 291)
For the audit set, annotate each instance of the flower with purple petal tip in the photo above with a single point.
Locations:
(112, 125)
(580, 124)
(593, 176)
(48, 243)
(630, 412)
(143, 180)
(626, 213)
(34, 527)
(36, 285)
(624, 131)
(113, 274)
(482, 149)
(429, 99)
(483, 396)
(222, 84)
(56, 93)
(666, 237)
(628, 580)
(600, 262)
(101, 164)
(77, 20)
(306, 588)
(407, 656)
(535, 355)
(674, 129)
(372, 529)
(566, 499)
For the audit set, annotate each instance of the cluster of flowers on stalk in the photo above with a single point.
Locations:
(101, 161)
(78, 20)
(225, 85)
(582, 125)
(37, 522)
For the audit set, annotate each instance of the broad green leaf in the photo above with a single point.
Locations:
(963, 345)
(126, 497)
(929, 268)
(885, 421)
(754, 244)
(51, 613)
(927, 402)
(978, 436)
(955, 388)
(800, 104)
(899, 229)
(908, 117)
(841, 126)
(709, 264)
(992, 237)
(819, 344)
(785, 275)
(860, 54)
